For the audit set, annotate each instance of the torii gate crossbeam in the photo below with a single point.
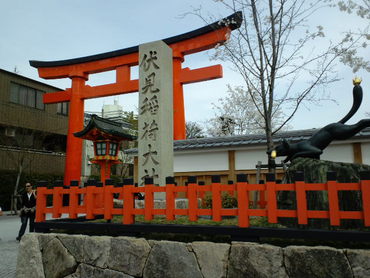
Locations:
(121, 61)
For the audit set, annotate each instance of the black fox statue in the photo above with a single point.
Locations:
(314, 146)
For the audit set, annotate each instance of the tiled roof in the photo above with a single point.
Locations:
(106, 126)
(248, 140)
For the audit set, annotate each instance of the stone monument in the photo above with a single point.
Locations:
(155, 113)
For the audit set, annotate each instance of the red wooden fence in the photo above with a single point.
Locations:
(98, 200)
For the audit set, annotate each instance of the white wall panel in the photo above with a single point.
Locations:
(338, 153)
(365, 147)
(207, 161)
(248, 159)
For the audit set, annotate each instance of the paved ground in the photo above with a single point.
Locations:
(9, 227)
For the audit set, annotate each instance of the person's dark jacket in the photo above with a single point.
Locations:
(28, 205)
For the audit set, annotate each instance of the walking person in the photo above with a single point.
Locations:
(28, 210)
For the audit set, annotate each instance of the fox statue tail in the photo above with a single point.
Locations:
(357, 99)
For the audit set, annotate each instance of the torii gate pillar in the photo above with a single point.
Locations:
(179, 128)
(75, 123)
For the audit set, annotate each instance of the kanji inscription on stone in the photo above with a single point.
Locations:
(155, 112)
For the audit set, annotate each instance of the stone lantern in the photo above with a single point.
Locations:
(106, 136)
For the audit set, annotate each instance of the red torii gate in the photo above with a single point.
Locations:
(121, 61)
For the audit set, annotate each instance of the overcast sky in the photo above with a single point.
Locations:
(49, 30)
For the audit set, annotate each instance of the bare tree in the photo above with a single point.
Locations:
(236, 114)
(194, 130)
(276, 55)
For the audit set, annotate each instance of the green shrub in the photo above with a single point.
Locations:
(228, 201)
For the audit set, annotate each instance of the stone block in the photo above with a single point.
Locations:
(85, 270)
(96, 250)
(182, 203)
(57, 261)
(44, 239)
(158, 204)
(74, 244)
(360, 262)
(256, 260)
(29, 262)
(320, 262)
(128, 255)
(212, 258)
(171, 260)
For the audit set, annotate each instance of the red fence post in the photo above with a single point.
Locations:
(365, 191)
(108, 199)
(262, 198)
(216, 198)
(57, 199)
(271, 198)
(149, 199)
(73, 199)
(41, 201)
(301, 198)
(333, 198)
(243, 200)
(192, 198)
(89, 201)
(99, 195)
(170, 198)
(128, 202)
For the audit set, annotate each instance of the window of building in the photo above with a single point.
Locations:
(26, 96)
(113, 149)
(39, 100)
(101, 148)
(63, 108)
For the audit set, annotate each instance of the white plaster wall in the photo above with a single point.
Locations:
(365, 147)
(248, 159)
(338, 153)
(87, 154)
(205, 161)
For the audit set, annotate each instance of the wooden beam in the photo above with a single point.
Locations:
(111, 89)
(61, 96)
(201, 43)
(202, 74)
(357, 153)
(94, 92)
(231, 156)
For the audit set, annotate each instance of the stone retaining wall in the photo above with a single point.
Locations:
(72, 256)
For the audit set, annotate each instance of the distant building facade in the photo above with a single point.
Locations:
(32, 135)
